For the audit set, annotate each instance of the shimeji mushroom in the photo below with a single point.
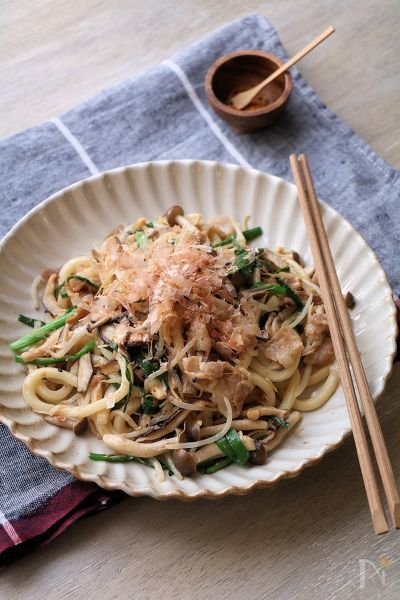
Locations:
(85, 372)
(256, 412)
(172, 213)
(77, 426)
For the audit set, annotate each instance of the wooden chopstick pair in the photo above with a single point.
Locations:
(346, 352)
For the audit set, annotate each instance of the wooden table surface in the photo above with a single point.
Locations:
(309, 537)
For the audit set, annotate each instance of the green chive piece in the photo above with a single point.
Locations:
(147, 407)
(278, 290)
(30, 321)
(110, 457)
(150, 366)
(283, 289)
(221, 464)
(226, 448)
(244, 262)
(228, 240)
(291, 294)
(60, 288)
(241, 453)
(111, 346)
(42, 332)
(280, 422)
(121, 403)
(51, 359)
(141, 239)
(251, 234)
(147, 366)
(116, 458)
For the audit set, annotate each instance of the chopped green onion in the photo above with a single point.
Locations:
(147, 366)
(226, 448)
(280, 422)
(59, 288)
(111, 457)
(51, 359)
(151, 366)
(42, 332)
(291, 294)
(283, 289)
(30, 321)
(241, 453)
(116, 458)
(264, 262)
(150, 224)
(221, 464)
(228, 240)
(141, 239)
(112, 346)
(121, 403)
(250, 234)
(243, 263)
(233, 448)
(147, 407)
(278, 290)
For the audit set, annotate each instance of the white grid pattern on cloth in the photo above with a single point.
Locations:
(9, 529)
(84, 156)
(234, 152)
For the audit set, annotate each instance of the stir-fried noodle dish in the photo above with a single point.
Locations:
(179, 345)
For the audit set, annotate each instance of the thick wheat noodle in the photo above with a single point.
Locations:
(304, 380)
(290, 394)
(281, 375)
(319, 375)
(321, 396)
(53, 396)
(265, 385)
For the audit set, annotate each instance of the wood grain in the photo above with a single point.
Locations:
(309, 537)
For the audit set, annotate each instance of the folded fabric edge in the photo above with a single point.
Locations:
(74, 501)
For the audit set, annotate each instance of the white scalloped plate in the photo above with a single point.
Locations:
(71, 221)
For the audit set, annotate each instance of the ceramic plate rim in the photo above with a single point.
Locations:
(179, 494)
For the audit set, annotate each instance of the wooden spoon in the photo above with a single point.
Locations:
(243, 99)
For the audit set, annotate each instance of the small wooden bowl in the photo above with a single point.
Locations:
(239, 71)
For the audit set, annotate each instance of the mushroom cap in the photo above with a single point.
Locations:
(172, 213)
(184, 461)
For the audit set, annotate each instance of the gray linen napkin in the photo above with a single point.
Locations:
(167, 117)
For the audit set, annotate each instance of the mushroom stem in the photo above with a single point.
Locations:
(238, 424)
(256, 412)
(165, 428)
(132, 448)
(212, 451)
(78, 427)
(184, 222)
(293, 419)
